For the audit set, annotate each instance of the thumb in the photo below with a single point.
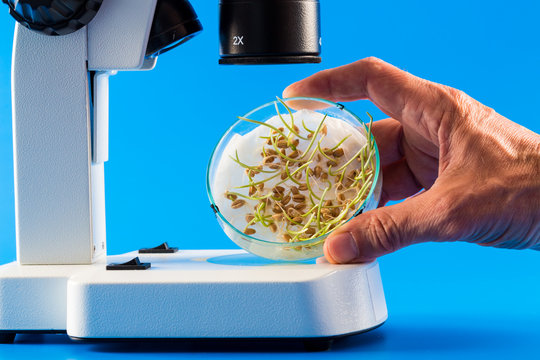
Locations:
(387, 229)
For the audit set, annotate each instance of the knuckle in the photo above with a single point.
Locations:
(383, 232)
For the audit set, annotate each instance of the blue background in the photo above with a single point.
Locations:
(444, 300)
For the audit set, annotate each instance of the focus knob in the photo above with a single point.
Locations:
(53, 17)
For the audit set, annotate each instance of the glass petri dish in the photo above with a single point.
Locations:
(274, 248)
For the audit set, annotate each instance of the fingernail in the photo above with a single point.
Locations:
(343, 248)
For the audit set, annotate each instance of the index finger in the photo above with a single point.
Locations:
(397, 93)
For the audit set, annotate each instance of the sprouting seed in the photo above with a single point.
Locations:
(269, 159)
(249, 217)
(236, 204)
(317, 171)
(282, 144)
(286, 199)
(338, 152)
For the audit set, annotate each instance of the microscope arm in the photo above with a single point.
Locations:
(60, 128)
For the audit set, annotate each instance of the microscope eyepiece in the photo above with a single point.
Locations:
(269, 31)
(53, 17)
(175, 22)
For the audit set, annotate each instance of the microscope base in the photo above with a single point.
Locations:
(193, 294)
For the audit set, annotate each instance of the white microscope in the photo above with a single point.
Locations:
(63, 281)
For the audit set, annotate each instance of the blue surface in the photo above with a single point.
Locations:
(444, 300)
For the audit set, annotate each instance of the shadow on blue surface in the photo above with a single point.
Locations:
(395, 338)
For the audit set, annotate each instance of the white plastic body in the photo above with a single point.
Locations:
(185, 296)
(60, 143)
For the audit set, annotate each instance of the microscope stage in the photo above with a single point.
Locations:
(192, 294)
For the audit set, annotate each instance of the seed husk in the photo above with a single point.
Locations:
(303, 187)
(287, 237)
(353, 173)
(292, 212)
(276, 209)
(295, 128)
(260, 186)
(347, 182)
(338, 152)
(286, 199)
(317, 171)
(283, 176)
(297, 219)
(236, 204)
(296, 142)
(271, 151)
(252, 190)
(324, 130)
(300, 206)
(277, 217)
(231, 196)
(249, 217)
(294, 154)
(294, 190)
(324, 176)
(327, 216)
(341, 197)
(299, 198)
(273, 227)
(274, 166)
(331, 163)
(310, 135)
(282, 144)
(310, 231)
(249, 231)
(269, 159)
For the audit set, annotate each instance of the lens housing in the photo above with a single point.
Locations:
(269, 31)
(175, 22)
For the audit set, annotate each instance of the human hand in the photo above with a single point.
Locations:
(480, 171)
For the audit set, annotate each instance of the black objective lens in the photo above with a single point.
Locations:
(269, 31)
(175, 22)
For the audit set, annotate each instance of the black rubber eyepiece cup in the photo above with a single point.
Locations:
(175, 22)
(269, 31)
(53, 17)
